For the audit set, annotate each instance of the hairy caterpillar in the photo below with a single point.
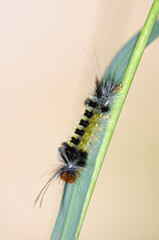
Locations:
(73, 153)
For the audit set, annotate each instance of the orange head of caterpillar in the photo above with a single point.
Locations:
(69, 177)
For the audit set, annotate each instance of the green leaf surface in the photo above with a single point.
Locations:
(76, 196)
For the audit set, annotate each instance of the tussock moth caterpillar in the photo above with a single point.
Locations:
(73, 153)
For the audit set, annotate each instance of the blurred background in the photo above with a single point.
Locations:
(44, 80)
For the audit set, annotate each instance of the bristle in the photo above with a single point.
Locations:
(105, 109)
(74, 140)
(88, 114)
(90, 103)
(84, 123)
(79, 132)
(98, 89)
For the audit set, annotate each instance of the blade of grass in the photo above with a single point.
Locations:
(117, 107)
(76, 197)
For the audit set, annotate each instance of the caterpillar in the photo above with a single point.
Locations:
(74, 152)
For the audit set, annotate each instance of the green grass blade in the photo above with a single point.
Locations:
(76, 196)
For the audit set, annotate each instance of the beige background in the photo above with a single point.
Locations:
(41, 99)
